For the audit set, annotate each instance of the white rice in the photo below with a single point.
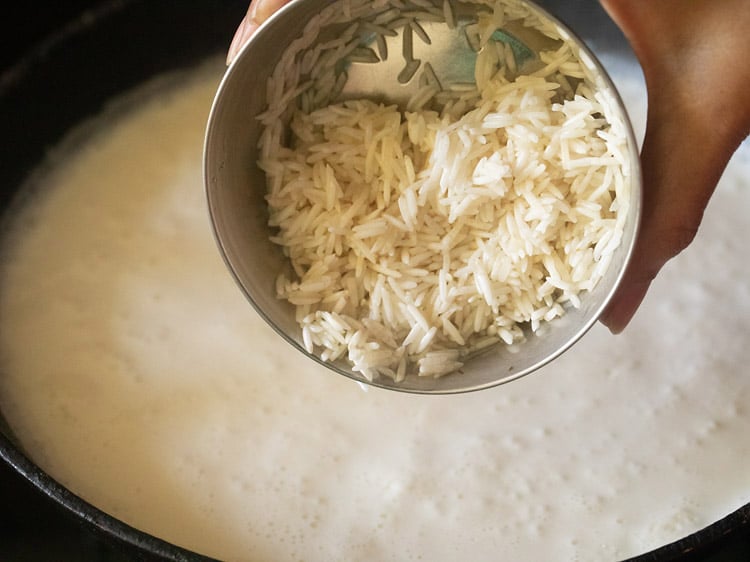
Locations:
(472, 218)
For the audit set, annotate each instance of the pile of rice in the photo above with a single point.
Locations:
(479, 212)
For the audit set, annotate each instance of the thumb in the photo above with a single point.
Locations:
(258, 12)
(681, 164)
(698, 114)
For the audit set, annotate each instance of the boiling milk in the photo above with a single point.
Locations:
(137, 374)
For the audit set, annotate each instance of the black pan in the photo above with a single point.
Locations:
(68, 76)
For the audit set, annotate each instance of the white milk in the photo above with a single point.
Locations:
(138, 375)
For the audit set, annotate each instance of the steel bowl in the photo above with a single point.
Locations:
(38, 511)
(236, 186)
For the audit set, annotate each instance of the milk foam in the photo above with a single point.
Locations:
(136, 374)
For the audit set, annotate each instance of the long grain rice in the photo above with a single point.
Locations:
(473, 218)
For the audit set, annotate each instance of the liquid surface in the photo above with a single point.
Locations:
(137, 375)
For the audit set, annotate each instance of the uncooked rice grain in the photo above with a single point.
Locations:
(472, 218)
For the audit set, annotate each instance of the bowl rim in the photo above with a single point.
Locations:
(708, 539)
(213, 137)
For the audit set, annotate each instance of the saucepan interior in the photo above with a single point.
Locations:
(115, 46)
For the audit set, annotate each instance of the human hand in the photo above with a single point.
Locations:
(258, 12)
(694, 56)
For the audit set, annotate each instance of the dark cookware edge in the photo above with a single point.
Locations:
(696, 546)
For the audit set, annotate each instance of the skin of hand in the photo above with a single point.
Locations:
(694, 55)
(258, 12)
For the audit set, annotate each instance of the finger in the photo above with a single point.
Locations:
(258, 12)
(681, 164)
(261, 10)
(622, 309)
(245, 30)
(698, 114)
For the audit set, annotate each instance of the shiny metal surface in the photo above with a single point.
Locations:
(236, 187)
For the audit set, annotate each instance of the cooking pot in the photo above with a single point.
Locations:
(113, 46)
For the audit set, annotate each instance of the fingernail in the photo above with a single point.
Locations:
(237, 40)
(262, 10)
(619, 314)
(244, 32)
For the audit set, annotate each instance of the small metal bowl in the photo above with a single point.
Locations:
(236, 186)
